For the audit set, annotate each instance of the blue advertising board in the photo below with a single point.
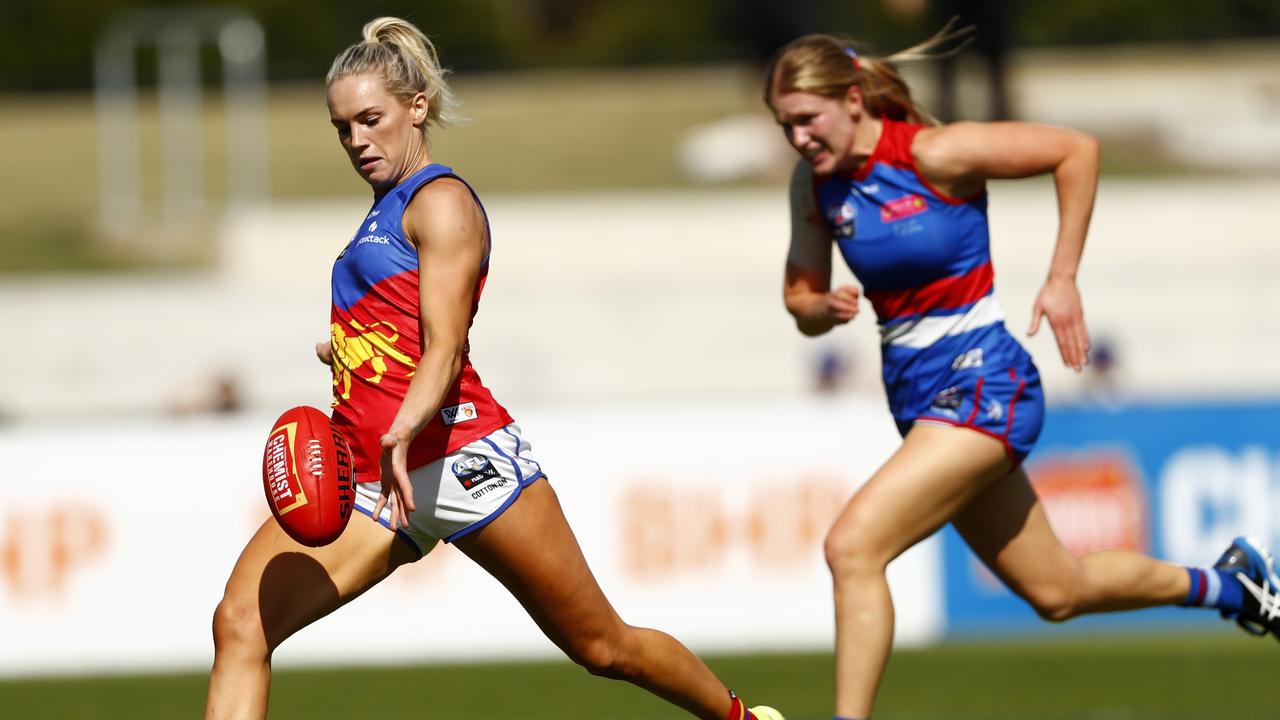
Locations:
(1175, 481)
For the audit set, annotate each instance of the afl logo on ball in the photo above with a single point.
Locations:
(471, 470)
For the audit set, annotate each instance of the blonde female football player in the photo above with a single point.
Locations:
(904, 201)
(440, 459)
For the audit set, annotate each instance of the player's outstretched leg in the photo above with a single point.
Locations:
(531, 550)
(279, 587)
(1244, 586)
(1007, 527)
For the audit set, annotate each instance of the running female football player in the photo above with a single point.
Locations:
(439, 458)
(904, 200)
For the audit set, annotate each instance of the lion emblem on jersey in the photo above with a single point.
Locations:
(366, 349)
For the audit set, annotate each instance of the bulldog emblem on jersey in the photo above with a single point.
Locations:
(841, 219)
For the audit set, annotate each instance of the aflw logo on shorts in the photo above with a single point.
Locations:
(455, 414)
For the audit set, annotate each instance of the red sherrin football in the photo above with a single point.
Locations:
(308, 478)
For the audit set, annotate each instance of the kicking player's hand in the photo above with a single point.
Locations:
(1059, 302)
(842, 304)
(397, 491)
(324, 351)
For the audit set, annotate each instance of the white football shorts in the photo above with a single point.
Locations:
(461, 492)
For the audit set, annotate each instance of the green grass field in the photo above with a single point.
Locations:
(1183, 677)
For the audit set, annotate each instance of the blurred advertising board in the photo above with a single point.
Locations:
(703, 519)
(1176, 481)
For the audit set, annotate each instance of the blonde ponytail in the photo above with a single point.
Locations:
(828, 65)
(407, 62)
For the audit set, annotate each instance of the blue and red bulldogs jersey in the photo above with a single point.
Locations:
(923, 259)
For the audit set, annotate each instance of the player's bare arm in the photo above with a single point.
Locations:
(448, 228)
(806, 284)
(958, 159)
(814, 305)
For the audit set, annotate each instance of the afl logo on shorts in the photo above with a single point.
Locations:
(841, 218)
(471, 470)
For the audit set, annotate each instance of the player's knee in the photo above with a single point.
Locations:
(600, 656)
(1054, 603)
(237, 626)
(850, 553)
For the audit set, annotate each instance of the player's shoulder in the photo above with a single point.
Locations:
(443, 208)
(946, 154)
(444, 193)
(933, 144)
(444, 197)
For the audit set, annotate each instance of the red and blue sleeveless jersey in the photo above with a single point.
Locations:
(923, 259)
(376, 334)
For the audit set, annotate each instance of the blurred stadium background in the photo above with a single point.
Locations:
(173, 199)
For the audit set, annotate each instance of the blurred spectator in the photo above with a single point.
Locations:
(226, 397)
(831, 369)
(218, 394)
(1101, 382)
(993, 20)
